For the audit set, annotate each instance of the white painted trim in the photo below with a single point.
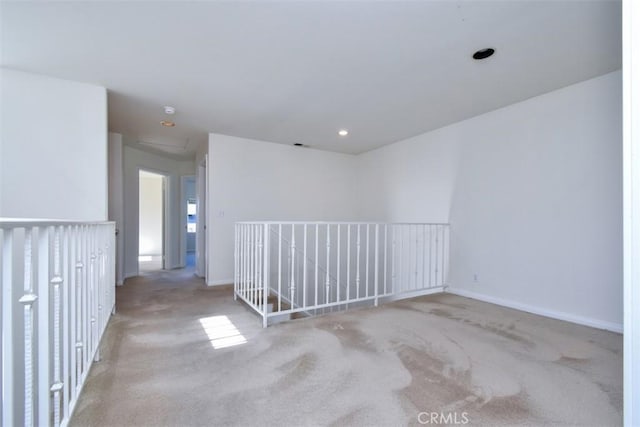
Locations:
(594, 323)
(631, 208)
(413, 294)
(220, 282)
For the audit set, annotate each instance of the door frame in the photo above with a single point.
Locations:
(202, 206)
(166, 241)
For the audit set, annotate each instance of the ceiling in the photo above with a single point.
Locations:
(297, 72)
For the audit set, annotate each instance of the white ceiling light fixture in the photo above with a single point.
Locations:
(169, 110)
(343, 132)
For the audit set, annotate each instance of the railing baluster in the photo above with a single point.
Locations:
(415, 281)
(430, 254)
(259, 268)
(385, 258)
(250, 265)
(7, 361)
(256, 260)
(376, 266)
(254, 283)
(393, 259)
(44, 347)
(93, 265)
(243, 285)
(27, 300)
(358, 263)
(249, 290)
(348, 262)
(292, 286)
(424, 253)
(87, 350)
(327, 282)
(279, 267)
(403, 258)
(245, 259)
(339, 244)
(73, 311)
(445, 240)
(81, 306)
(437, 250)
(304, 273)
(236, 271)
(317, 262)
(367, 264)
(265, 275)
(56, 282)
(240, 258)
(247, 262)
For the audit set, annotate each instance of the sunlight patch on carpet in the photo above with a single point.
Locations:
(222, 332)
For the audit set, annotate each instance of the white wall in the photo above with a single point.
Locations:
(533, 194)
(538, 204)
(53, 145)
(256, 180)
(173, 169)
(150, 215)
(409, 181)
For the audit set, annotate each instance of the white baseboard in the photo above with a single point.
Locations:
(580, 320)
(220, 282)
(413, 294)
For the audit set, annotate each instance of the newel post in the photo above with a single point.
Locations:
(266, 275)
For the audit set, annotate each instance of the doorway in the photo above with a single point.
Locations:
(151, 230)
(190, 220)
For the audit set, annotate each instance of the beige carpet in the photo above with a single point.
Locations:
(174, 355)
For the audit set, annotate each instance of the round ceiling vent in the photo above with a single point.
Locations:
(484, 53)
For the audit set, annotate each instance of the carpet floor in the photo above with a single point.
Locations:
(180, 353)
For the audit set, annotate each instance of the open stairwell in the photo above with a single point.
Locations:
(306, 269)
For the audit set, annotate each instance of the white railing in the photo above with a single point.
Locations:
(287, 267)
(58, 293)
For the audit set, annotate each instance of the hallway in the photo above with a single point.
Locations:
(180, 353)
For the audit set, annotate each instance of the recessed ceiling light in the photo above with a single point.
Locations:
(343, 132)
(484, 53)
(169, 110)
(167, 123)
